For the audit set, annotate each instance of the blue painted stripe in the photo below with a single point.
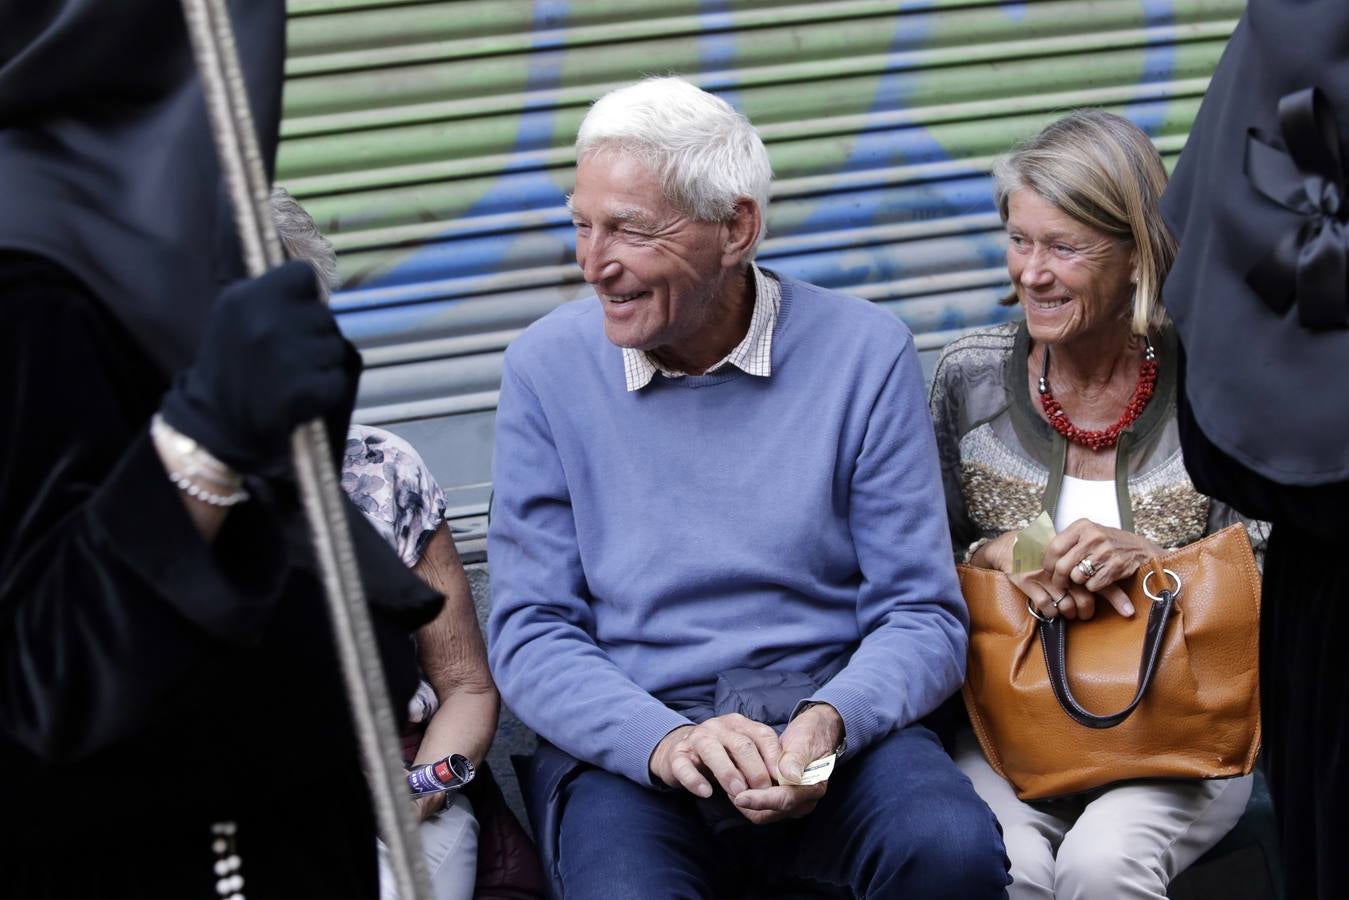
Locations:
(716, 47)
(1159, 61)
(536, 126)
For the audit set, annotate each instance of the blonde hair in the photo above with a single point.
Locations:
(1103, 171)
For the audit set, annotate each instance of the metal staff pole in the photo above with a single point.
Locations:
(212, 34)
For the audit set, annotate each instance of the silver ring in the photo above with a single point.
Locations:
(1058, 604)
(1087, 567)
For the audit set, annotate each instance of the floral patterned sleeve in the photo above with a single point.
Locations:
(390, 483)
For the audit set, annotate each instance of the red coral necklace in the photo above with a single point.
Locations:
(1106, 437)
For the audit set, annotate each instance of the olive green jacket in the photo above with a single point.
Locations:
(1002, 464)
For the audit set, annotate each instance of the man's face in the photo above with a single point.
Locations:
(657, 272)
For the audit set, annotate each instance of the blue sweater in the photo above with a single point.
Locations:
(641, 543)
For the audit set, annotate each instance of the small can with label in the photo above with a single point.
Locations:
(449, 774)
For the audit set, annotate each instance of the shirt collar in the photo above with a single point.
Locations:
(753, 355)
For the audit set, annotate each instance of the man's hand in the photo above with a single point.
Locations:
(811, 735)
(738, 752)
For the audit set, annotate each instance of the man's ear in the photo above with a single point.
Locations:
(742, 230)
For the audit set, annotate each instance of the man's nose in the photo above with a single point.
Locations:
(597, 265)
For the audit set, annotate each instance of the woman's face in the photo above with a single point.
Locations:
(1072, 280)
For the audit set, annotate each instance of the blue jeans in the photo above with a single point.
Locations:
(899, 820)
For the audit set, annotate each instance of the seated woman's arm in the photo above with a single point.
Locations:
(944, 401)
(454, 660)
(389, 481)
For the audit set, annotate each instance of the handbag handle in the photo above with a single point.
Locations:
(1054, 640)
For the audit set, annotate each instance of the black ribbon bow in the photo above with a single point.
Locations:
(1310, 265)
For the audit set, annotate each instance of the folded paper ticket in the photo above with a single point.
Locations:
(818, 771)
(1028, 552)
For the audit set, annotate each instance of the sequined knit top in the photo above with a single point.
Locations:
(1002, 464)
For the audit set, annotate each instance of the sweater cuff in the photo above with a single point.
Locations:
(860, 725)
(639, 740)
(227, 588)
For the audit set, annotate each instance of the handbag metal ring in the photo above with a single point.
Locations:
(1174, 577)
(1030, 608)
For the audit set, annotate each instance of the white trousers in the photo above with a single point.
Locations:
(450, 843)
(1124, 842)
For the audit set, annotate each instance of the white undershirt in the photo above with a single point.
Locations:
(1080, 498)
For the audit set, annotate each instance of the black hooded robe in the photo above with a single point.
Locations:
(151, 685)
(1264, 411)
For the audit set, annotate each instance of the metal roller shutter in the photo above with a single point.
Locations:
(432, 143)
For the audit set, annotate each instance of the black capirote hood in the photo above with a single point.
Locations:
(107, 165)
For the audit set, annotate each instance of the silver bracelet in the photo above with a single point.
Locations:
(186, 461)
(974, 548)
(189, 456)
(197, 492)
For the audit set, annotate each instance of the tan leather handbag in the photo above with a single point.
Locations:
(1062, 707)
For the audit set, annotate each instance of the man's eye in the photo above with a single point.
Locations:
(1063, 249)
(1016, 241)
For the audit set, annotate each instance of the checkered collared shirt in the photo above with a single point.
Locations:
(753, 355)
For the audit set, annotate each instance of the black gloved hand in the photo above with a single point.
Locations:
(271, 359)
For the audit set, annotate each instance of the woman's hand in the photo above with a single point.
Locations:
(1048, 598)
(1086, 559)
(424, 808)
(1064, 588)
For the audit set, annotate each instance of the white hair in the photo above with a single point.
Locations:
(706, 155)
(302, 239)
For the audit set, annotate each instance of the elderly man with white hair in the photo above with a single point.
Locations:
(719, 550)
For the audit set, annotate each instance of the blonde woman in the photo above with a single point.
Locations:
(1073, 411)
